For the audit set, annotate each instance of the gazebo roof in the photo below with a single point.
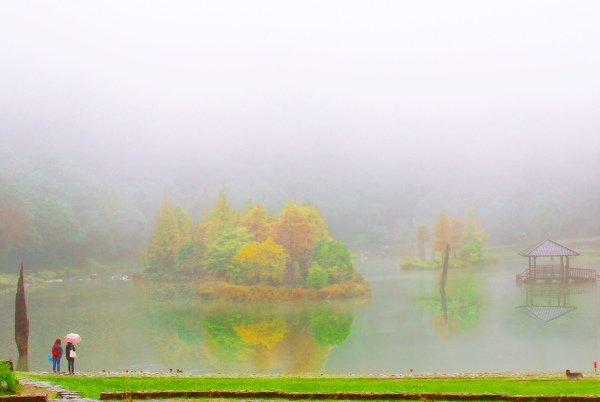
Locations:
(547, 248)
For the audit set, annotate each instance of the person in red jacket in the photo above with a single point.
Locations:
(57, 353)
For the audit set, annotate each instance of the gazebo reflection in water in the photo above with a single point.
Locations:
(549, 301)
(548, 285)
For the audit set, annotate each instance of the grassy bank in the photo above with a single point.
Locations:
(91, 387)
(223, 291)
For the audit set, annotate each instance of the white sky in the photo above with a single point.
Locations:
(488, 87)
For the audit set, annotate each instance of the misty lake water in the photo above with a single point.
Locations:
(157, 327)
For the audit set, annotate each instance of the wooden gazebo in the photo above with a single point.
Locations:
(550, 271)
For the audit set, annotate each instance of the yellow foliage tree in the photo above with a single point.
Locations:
(222, 216)
(173, 227)
(262, 262)
(319, 226)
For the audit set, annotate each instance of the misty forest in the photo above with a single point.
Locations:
(301, 188)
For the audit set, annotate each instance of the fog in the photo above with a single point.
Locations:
(382, 114)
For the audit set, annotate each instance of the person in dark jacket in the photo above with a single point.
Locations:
(57, 353)
(70, 357)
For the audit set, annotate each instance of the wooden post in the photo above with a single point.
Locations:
(443, 283)
(562, 269)
(445, 266)
(567, 269)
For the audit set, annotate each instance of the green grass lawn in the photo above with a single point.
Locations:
(91, 387)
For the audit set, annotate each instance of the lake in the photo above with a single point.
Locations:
(489, 323)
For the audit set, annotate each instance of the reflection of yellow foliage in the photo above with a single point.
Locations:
(267, 332)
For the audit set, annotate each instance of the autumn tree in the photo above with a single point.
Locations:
(441, 233)
(262, 263)
(319, 226)
(293, 230)
(222, 216)
(422, 238)
(15, 223)
(258, 220)
(172, 229)
(184, 224)
(164, 242)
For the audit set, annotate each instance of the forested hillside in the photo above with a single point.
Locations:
(71, 212)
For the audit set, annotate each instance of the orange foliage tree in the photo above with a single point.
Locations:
(258, 221)
(15, 223)
(294, 232)
(441, 233)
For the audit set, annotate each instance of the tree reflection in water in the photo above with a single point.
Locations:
(458, 306)
(278, 337)
(265, 338)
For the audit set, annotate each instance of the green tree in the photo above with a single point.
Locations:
(317, 276)
(219, 261)
(336, 259)
(164, 242)
(188, 260)
(473, 243)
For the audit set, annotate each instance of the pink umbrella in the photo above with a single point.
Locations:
(73, 338)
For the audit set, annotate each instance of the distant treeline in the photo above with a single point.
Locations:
(61, 213)
(52, 216)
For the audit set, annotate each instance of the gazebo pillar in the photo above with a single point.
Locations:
(562, 269)
(567, 269)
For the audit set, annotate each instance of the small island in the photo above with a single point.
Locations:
(465, 237)
(252, 254)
